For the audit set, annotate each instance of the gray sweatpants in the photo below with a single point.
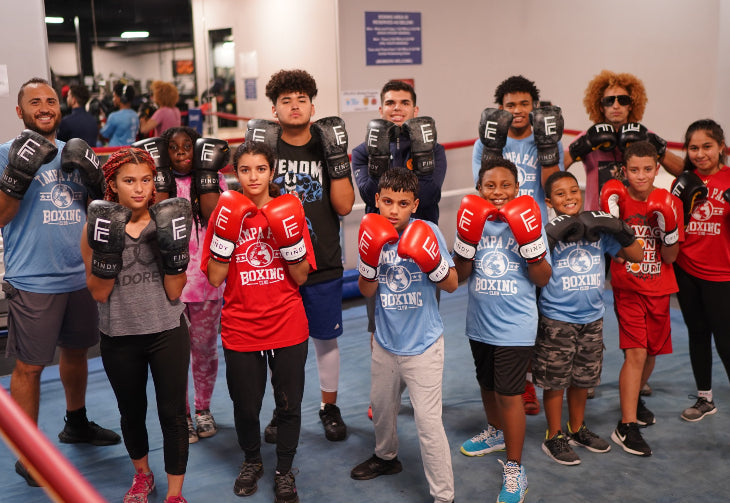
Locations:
(423, 375)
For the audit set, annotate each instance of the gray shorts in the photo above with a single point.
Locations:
(568, 354)
(38, 322)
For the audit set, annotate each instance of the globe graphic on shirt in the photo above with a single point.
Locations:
(580, 261)
(495, 264)
(259, 254)
(62, 196)
(397, 278)
(703, 211)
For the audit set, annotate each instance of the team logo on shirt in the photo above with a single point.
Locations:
(397, 279)
(580, 262)
(62, 197)
(699, 224)
(260, 255)
(496, 264)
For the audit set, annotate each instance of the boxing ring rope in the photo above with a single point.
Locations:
(57, 476)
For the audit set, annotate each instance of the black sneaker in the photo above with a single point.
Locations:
(270, 430)
(334, 427)
(558, 449)
(250, 473)
(586, 438)
(375, 467)
(627, 435)
(644, 416)
(92, 434)
(285, 489)
(23, 472)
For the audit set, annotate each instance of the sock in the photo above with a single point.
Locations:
(528, 377)
(321, 405)
(77, 418)
(707, 395)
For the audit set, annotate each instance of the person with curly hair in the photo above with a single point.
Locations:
(615, 103)
(165, 95)
(312, 164)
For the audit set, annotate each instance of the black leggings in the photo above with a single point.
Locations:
(246, 375)
(167, 355)
(706, 313)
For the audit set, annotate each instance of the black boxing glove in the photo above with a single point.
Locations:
(595, 222)
(332, 134)
(263, 131)
(173, 218)
(380, 132)
(547, 126)
(105, 229)
(28, 152)
(78, 155)
(726, 196)
(631, 132)
(210, 155)
(567, 228)
(691, 190)
(660, 144)
(157, 149)
(493, 129)
(422, 132)
(600, 136)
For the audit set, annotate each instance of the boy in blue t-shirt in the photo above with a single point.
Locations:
(500, 248)
(403, 261)
(569, 345)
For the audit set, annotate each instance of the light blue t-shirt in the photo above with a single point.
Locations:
(121, 127)
(575, 291)
(407, 319)
(42, 252)
(523, 153)
(501, 309)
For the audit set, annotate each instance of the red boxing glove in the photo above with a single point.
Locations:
(659, 203)
(285, 215)
(375, 232)
(227, 221)
(613, 197)
(419, 243)
(522, 214)
(470, 219)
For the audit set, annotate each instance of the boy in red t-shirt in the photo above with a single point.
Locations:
(641, 290)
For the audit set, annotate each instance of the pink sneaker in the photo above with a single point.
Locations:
(142, 485)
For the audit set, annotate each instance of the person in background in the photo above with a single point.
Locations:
(167, 115)
(80, 123)
(122, 125)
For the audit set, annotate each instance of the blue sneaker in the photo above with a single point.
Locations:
(487, 441)
(514, 483)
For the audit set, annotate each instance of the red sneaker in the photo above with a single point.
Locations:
(529, 399)
(142, 485)
(370, 412)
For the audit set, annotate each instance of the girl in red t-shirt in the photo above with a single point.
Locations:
(259, 245)
(703, 265)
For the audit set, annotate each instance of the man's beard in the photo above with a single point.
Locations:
(30, 123)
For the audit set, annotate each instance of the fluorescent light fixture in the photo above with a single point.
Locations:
(54, 20)
(135, 34)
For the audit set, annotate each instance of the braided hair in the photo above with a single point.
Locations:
(167, 135)
(130, 155)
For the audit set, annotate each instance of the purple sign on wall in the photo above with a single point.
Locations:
(393, 38)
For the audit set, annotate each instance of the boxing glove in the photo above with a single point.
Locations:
(691, 190)
(600, 136)
(547, 126)
(106, 224)
(227, 221)
(285, 215)
(78, 155)
(173, 218)
(419, 243)
(28, 152)
(422, 132)
(210, 155)
(473, 213)
(634, 131)
(157, 149)
(566, 228)
(659, 203)
(613, 198)
(375, 231)
(493, 129)
(522, 214)
(263, 131)
(332, 134)
(595, 222)
(380, 132)
(726, 196)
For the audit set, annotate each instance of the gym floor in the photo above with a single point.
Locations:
(689, 462)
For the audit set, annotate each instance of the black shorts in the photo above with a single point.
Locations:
(502, 369)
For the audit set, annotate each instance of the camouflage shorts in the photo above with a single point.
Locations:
(568, 354)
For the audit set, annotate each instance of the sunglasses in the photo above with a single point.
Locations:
(623, 100)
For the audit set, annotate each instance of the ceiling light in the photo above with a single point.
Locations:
(54, 20)
(135, 34)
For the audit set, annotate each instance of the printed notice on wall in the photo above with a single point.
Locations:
(360, 101)
(4, 83)
(393, 38)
